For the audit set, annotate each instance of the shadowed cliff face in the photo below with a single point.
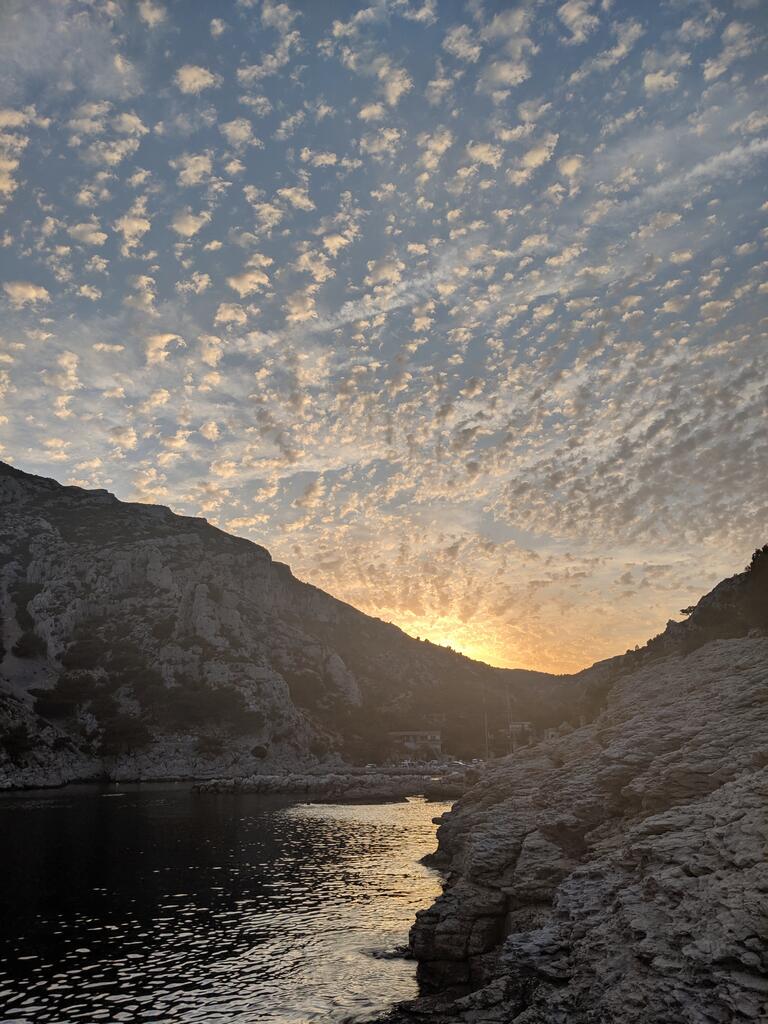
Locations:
(617, 872)
(138, 642)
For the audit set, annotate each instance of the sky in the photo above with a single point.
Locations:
(459, 308)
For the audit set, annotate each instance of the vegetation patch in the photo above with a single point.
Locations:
(16, 741)
(21, 595)
(30, 645)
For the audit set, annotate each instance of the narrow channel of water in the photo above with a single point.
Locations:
(154, 904)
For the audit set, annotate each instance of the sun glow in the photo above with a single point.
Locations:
(468, 638)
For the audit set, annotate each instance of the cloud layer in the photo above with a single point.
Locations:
(457, 308)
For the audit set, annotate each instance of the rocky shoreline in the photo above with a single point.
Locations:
(343, 783)
(346, 785)
(618, 873)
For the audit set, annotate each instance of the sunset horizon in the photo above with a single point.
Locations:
(448, 634)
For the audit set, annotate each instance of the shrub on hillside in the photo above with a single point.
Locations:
(30, 645)
(758, 565)
(163, 628)
(22, 594)
(210, 746)
(305, 686)
(83, 653)
(122, 734)
(71, 690)
(16, 741)
(757, 588)
(194, 704)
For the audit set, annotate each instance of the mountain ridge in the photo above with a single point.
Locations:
(9, 470)
(112, 611)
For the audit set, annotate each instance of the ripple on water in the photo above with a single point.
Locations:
(168, 906)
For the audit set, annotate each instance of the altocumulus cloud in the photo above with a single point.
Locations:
(460, 311)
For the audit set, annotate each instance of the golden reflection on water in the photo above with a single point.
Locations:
(169, 907)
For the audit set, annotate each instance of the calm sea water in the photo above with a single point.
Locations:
(154, 904)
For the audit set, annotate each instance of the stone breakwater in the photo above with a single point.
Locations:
(618, 873)
(348, 786)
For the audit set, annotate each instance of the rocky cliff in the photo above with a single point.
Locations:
(136, 643)
(618, 873)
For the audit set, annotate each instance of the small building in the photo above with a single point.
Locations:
(423, 742)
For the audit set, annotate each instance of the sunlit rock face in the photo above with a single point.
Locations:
(137, 643)
(618, 872)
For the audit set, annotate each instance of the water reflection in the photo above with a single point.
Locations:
(160, 905)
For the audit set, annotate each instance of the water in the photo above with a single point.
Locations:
(154, 904)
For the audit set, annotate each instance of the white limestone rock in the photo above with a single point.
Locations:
(617, 873)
